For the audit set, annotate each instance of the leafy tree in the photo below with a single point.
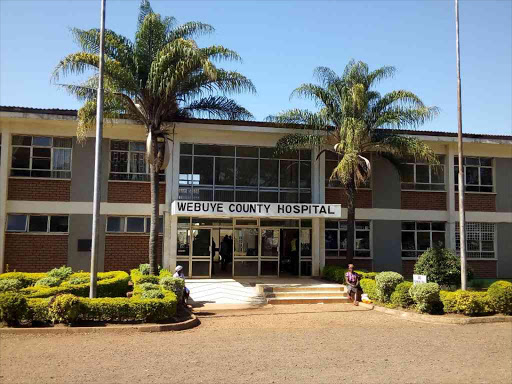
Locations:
(352, 120)
(157, 79)
(440, 265)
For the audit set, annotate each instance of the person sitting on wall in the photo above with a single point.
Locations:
(353, 286)
(180, 275)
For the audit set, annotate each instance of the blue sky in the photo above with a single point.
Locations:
(281, 42)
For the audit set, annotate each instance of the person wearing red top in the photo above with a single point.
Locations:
(353, 287)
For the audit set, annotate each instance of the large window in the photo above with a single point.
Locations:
(127, 161)
(477, 174)
(422, 176)
(41, 156)
(331, 162)
(245, 174)
(419, 236)
(336, 239)
(480, 240)
(38, 223)
(132, 224)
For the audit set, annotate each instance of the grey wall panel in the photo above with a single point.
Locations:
(503, 184)
(80, 227)
(505, 250)
(385, 184)
(387, 239)
(105, 169)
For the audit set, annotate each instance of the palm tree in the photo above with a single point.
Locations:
(353, 120)
(159, 78)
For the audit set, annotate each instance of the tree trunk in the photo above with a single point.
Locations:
(155, 214)
(351, 219)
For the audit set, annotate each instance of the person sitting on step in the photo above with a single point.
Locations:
(353, 287)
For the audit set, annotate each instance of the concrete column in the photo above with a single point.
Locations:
(4, 181)
(450, 188)
(321, 234)
(171, 222)
(315, 247)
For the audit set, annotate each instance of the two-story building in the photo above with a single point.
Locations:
(230, 208)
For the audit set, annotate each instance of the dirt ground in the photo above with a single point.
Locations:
(287, 344)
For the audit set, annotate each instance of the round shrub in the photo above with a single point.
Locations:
(401, 296)
(386, 284)
(500, 296)
(370, 288)
(471, 303)
(61, 273)
(65, 308)
(152, 294)
(449, 301)
(10, 285)
(13, 307)
(426, 297)
(78, 280)
(48, 282)
(440, 265)
(173, 284)
(368, 275)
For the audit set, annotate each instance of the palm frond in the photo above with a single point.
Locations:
(219, 107)
(296, 141)
(189, 30)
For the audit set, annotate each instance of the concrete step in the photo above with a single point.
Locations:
(303, 288)
(336, 294)
(307, 300)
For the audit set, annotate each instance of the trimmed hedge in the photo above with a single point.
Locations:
(386, 284)
(500, 297)
(173, 284)
(48, 281)
(64, 308)
(370, 288)
(426, 297)
(27, 279)
(13, 307)
(61, 273)
(469, 303)
(401, 296)
(7, 285)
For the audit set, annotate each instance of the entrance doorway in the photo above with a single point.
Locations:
(289, 252)
(222, 253)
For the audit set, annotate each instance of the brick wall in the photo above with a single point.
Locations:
(483, 202)
(133, 192)
(358, 263)
(125, 252)
(483, 269)
(423, 200)
(338, 196)
(39, 189)
(408, 268)
(35, 253)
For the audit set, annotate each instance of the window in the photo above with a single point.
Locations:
(331, 162)
(480, 240)
(417, 237)
(38, 223)
(336, 239)
(128, 161)
(41, 156)
(132, 224)
(477, 174)
(423, 176)
(245, 174)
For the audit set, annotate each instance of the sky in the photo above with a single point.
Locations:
(281, 42)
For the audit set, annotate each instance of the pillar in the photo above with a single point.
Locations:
(450, 190)
(4, 180)
(171, 194)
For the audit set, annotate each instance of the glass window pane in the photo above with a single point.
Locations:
(305, 197)
(437, 174)
(290, 155)
(134, 224)
(62, 142)
(38, 224)
(22, 140)
(214, 150)
(408, 240)
(19, 172)
(289, 174)
(185, 177)
(438, 239)
(118, 161)
(138, 146)
(16, 222)
(38, 163)
(288, 197)
(305, 174)
(118, 145)
(438, 226)
(185, 149)
(203, 170)
(61, 159)
(42, 141)
(269, 170)
(247, 152)
(422, 173)
(40, 174)
(486, 176)
(343, 239)
(408, 173)
(246, 242)
(137, 162)
(331, 224)
(201, 244)
(472, 175)
(224, 171)
(115, 224)
(267, 153)
(268, 197)
(305, 154)
(41, 152)
(59, 223)
(363, 225)
(362, 240)
(247, 196)
(222, 195)
(423, 226)
(202, 194)
(456, 175)
(20, 157)
(246, 172)
(472, 160)
(329, 168)
(486, 161)
(183, 244)
(408, 225)
(423, 240)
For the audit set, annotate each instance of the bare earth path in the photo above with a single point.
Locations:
(293, 344)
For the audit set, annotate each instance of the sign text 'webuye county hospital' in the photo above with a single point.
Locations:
(213, 208)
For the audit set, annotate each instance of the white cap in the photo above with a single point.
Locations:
(178, 268)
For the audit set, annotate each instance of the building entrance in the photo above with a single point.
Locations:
(289, 252)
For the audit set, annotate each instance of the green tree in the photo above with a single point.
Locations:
(353, 120)
(159, 78)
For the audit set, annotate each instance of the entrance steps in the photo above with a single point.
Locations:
(306, 294)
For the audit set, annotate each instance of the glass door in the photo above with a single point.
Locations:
(245, 257)
(202, 252)
(289, 252)
(306, 259)
(269, 261)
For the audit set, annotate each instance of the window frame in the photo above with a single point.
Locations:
(339, 229)
(468, 227)
(128, 173)
(479, 167)
(124, 231)
(442, 160)
(27, 224)
(52, 150)
(415, 231)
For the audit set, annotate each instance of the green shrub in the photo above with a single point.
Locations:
(500, 296)
(337, 274)
(27, 279)
(13, 307)
(164, 273)
(144, 269)
(368, 275)
(449, 301)
(370, 288)
(65, 308)
(426, 297)
(48, 282)
(38, 310)
(138, 278)
(152, 294)
(401, 296)
(173, 284)
(10, 285)
(61, 273)
(148, 286)
(440, 265)
(386, 284)
(472, 303)
(79, 280)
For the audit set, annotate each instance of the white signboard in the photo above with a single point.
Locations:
(418, 279)
(218, 208)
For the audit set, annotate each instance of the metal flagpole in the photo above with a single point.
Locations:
(462, 213)
(97, 162)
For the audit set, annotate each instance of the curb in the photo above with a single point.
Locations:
(438, 319)
(188, 324)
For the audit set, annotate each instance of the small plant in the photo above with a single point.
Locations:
(48, 282)
(426, 297)
(401, 297)
(148, 286)
(386, 284)
(500, 296)
(152, 294)
(61, 273)
(173, 284)
(370, 288)
(440, 265)
(144, 269)
(13, 307)
(65, 308)
(78, 280)
(10, 285)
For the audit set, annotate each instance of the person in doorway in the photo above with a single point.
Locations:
(180, 275)
(353, 287)
(225, 251)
